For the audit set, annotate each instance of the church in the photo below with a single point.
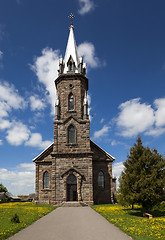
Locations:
(73, 168)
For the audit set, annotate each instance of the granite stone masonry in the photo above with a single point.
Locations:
(73, 168)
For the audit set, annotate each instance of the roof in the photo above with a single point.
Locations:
(43, 153)
(104, 152)
(10, 195)
(49, 149)
(71, 50)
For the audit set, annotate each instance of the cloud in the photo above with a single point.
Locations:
(1, 142)
(18, 181)
(87, 51)
(1, 54)
(160, 112)
(85, 6)
(36, 103)
(116, 171)
(45, 68)
(17, 134)
(9, 100)
(10, 96)
(36, 141)
(155, 132)
(5, 124)
(26, 166)
(102, 120)
(102, 132)
(134, 118)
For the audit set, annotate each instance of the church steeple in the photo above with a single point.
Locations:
(71, 63)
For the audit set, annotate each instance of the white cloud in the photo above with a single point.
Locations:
(134, 118)
(45, 67)
(1, 54)
(160, 113)
(5, 124)
(36, 103)
(27, 166)
(4, 109)
(116, 170)
(155, 132)
(9, 95)
(17, 134)
(1, 142)
(18, 182)
(102, 132)
(85, 6)
(102, 120)
(36, 141)
(87, 51)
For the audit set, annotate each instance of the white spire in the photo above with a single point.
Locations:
(71, 50)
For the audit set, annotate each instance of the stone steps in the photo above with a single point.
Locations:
(73, 204)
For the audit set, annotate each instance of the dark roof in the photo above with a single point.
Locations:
(49, 149)
(10, 195)
(93, 144)
(45, 153)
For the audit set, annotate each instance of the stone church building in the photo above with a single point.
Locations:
(73, 168)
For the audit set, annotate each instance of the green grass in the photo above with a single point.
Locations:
(27, 212)
(132, 223)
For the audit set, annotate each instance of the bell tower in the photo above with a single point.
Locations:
(71, 107)
(72, 152)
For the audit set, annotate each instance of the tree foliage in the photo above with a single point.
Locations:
(2, 188)
(143, 178)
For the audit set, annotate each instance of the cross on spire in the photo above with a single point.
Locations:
(71, 16)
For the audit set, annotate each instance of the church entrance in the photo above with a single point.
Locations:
(71, 188)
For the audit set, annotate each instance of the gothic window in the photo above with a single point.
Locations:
(101, 179)
(46, 179)
(71, 102)
(71, 134)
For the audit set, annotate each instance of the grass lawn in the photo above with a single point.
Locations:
(27, 212)
(132, 222)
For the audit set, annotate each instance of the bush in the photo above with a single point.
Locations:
(15, 218)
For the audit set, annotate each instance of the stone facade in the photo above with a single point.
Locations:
(77, 168)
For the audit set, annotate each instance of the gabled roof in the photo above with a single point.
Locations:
(49, 149)
(45, 153)
(102, 151)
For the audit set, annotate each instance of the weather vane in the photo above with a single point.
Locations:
(71, 16)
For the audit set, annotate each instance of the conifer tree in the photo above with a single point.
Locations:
(143, 178)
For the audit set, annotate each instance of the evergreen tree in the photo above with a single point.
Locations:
(143, 178)
(2, 188)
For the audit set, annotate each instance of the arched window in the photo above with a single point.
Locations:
(71, 102)
(101, 179)
(46, 179)
(71, 134)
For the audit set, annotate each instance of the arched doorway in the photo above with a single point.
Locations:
(71, 188)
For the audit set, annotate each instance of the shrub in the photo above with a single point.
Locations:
(15, 218)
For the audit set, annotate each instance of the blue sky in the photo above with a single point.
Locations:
(123, 44)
